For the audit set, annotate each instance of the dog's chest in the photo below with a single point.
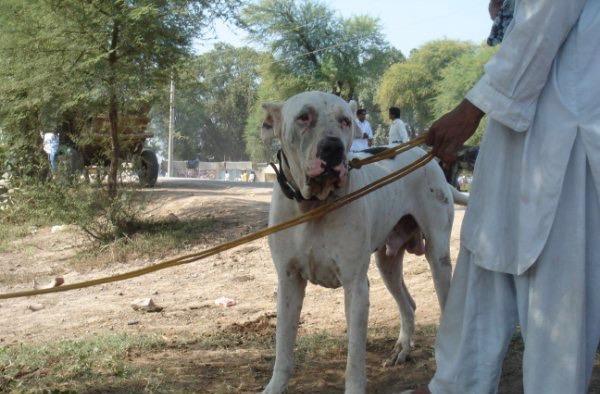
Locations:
(319, 266)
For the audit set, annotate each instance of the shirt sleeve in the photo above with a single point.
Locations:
(514, 78)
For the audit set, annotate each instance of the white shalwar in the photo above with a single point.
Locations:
(530, 243)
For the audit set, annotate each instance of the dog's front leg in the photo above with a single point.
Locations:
(356, 295)
(290, 294)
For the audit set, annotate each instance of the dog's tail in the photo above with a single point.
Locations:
(459, 198)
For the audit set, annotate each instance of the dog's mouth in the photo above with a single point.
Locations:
(327, 180)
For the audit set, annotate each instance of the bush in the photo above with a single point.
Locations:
(89, 207)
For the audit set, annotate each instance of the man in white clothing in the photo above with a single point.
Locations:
(530, 250)
(398, 133)
(366, 139)
(50, 146)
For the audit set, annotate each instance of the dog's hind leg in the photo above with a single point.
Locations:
(437, 252)
(390, 268)
(290, 295)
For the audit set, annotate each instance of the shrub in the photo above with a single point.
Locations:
(87, 206)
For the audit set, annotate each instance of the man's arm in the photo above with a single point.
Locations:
(514, 78)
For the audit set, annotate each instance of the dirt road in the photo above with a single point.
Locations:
(190, 319)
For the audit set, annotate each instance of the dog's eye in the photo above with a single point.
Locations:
(345, 122)
(304, 118)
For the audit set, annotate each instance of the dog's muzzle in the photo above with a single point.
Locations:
(330, 169)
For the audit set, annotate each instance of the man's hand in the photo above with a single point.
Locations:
(448, 134)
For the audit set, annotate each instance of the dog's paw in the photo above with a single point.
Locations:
(277, 385)
(399, 356)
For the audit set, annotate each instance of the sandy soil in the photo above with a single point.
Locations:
(187, 294)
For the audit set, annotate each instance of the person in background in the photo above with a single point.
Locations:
(398, 133)
(366, 138)
(226, 177)
(50, 145)
(252, 177)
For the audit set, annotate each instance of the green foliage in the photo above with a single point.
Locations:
(312, 42)
(214, 94)
(64, 62)
(457, 79)
(97, 360)
(411, 85)
(408, 86)
(102, 218)
(313, 48)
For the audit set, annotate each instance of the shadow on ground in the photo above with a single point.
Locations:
(239, 359)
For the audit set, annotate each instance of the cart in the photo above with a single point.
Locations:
(92, 147)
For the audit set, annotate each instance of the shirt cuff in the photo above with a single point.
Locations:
(517, 115)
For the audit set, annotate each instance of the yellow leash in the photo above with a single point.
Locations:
(310, 215)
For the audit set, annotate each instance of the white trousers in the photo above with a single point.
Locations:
(556, 302)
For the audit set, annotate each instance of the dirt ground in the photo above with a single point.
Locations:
(191, 319)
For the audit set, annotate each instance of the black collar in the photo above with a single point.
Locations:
(288, 188)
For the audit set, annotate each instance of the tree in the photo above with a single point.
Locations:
(215, 93)
(408, 86)
(411, 84)
(74, 60)
(310, 39)
(314, 49)
(457, 79)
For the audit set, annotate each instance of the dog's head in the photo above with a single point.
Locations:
(316, 130)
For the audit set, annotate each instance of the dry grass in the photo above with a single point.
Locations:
(152, 239)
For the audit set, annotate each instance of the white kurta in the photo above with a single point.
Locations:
(361, 143)
(556, 303)
(398, 133)
(530, 250)
(539, 91)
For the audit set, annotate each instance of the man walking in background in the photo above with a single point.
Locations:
(366, 138)
(398, 133)
(50, 146)
(529, 244)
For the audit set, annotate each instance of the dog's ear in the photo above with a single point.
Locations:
(271, 126)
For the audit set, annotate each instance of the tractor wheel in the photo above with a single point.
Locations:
(148, 172)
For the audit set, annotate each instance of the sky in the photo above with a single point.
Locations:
(407, 24)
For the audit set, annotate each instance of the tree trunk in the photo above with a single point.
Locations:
(351, 90)
(113, 114)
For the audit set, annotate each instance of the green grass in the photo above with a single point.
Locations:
(69, 364)
(12, 232)
(125, 363)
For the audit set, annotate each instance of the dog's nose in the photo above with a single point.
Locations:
(331, 151)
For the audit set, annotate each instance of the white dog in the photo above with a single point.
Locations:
(415, 214)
